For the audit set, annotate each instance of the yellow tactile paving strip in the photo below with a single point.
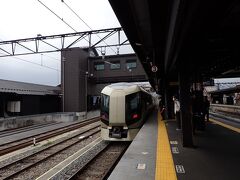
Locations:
(226, 125)
(165, 169)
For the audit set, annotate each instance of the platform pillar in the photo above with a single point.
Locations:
(185, 103)
(164, 92)
(166, 100)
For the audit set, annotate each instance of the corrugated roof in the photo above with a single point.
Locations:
(235, 89)
(27, 88)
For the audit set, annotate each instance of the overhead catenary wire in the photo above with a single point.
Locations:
(85, 23)
(76, 14)
(59, 18)
(36, 64)
(56, 15)
(44, 66)
(58, 60)
(62, 20)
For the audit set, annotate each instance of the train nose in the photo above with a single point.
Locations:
(117, 129)
(118, 132)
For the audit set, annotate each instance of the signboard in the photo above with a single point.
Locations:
(154, 68)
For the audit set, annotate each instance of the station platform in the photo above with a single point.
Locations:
(157, 153)
(30, 133)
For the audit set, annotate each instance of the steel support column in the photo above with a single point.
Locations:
(168, 99)
(185, 103)
(165, 97)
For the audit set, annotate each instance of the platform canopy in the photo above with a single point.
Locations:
(199, 36)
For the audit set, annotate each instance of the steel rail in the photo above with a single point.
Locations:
(30, 161)
(98, 156)
(5, 149)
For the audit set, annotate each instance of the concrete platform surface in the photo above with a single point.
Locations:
(139, 160)
(215, 157)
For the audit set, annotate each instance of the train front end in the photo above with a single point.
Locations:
(115, 114)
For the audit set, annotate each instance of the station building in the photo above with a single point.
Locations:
(19, 98)
(85, 73)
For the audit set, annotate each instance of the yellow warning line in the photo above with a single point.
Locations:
(226, 125)
(165, 169)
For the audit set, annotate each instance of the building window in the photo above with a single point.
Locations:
(98, 66)
(115, 65)
(130, 64)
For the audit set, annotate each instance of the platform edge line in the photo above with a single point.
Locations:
(165, 169)
(225, 125)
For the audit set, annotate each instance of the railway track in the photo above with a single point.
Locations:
(24, 142)
(34, 165)
(100, 165)
(12, 131)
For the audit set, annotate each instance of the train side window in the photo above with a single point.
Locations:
(133, 101)
(133, 108)
(147, 100)
(105, 103)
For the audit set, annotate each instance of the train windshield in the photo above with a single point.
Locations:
(105, 106)
(133, 107)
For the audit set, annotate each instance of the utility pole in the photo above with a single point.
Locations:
(86, 93)
(63, 83)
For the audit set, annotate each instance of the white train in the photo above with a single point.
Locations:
(124, 107)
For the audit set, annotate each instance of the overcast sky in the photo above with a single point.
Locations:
(27, 18)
